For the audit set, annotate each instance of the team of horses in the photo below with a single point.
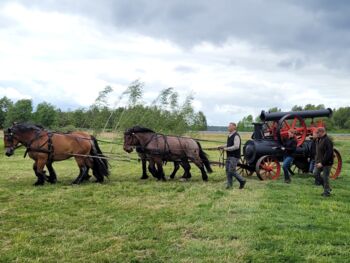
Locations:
(45, 147)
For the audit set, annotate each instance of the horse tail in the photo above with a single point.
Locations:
(100, 165)
(204, 158)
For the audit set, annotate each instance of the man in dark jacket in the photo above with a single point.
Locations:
(324, 160)
(289, 149)
(233, 151)
(314, 139)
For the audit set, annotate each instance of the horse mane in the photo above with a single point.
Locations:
(25, 127)
(138, 129)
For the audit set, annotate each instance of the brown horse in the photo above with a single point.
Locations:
(159, 148)
(46, 147)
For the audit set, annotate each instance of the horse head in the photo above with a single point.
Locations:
(133, 137)
(17, 134)
(130, 140)
(10, 141)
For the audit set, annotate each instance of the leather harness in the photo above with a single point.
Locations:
(50, 148)
(143, 148)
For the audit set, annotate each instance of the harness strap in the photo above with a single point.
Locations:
(166, 145)
(50, 148)
(143, 147)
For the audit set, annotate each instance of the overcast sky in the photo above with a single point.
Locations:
(236, 57)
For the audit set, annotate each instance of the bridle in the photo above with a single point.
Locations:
(134, 135)
(10, 137)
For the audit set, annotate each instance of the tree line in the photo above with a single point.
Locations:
(339, 121)
(165, 114)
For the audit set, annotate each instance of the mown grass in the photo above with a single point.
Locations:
(129, 220)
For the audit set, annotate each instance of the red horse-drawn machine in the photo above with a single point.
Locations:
(262, 154)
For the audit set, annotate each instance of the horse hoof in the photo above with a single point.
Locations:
(38, 183)
(144, 178)
(87, 178)
(52, 181)
(98, 182)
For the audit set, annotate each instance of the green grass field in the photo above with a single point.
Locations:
(129, 220)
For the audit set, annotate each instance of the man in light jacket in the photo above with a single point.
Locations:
(233, 152)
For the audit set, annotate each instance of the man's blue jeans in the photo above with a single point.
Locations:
(231, 171)
(312, 166)
(287, 162)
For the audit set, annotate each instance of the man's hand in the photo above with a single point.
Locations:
(283, 148)
(319, 165)
(221, 147)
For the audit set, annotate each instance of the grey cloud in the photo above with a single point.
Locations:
(293, 64)
(320, 29)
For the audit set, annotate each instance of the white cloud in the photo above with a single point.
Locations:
(66, 59)
(13, 94)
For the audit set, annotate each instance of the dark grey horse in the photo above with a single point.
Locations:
(158, 148)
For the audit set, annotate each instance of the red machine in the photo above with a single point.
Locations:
(262, 153)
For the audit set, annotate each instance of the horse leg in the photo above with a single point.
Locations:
(187, 167)
(82, 174)
(52, 178)
(86, 176)
(198, 162)
(176, 168)
(144, 169)
(35, 165)
(96, 173)
(152, 169)
(161, 175)
(82, 170)
(39, 171)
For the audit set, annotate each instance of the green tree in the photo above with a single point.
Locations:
(274, 109)
(65, 118)
(101, 100)
(174, 101)
(200, 122)
(341, 117)
(46, 115)
(297, 108)
(246, 123)
(21, 111)
(314, 107)
(135, 92)
(79, 118)
(5, 104)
